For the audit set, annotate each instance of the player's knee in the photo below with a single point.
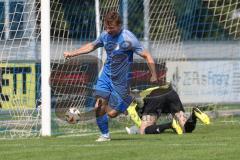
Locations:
(100, 107)
(181, 117)
(147, 120)
(100, 102)
(112, 113)
(142, 130)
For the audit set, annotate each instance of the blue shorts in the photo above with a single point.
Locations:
(116, 95)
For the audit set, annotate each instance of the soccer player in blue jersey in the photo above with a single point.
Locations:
(112, 88)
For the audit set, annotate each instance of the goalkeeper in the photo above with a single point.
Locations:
(152, 102)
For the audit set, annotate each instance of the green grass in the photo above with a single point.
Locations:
(220, 141)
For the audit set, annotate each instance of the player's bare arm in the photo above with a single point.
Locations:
(87, 48)
(151, 65)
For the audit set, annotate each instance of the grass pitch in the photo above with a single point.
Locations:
(220, 141)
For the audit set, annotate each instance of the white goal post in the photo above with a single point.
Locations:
(45, 67)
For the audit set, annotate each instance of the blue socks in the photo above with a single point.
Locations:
(102, 122)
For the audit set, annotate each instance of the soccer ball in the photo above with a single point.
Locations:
(72, 115)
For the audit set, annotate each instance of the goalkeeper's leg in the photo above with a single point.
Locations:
(157, 129)
(190, 124)
(147, 120)
(132, 108)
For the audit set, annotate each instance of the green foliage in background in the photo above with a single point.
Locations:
(194, 19)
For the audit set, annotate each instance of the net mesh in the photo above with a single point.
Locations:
(195, 44)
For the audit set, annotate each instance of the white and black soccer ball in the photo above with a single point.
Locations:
(72, 115)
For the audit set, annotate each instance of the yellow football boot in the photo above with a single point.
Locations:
(177, 127)
(201, 116)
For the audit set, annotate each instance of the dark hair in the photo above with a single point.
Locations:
(112, 17)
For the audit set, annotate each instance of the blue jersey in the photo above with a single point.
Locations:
(116, 71)
(120, 49)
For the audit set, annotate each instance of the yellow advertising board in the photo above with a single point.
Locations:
(17, 85)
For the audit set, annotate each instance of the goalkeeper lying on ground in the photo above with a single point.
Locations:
(152, 102)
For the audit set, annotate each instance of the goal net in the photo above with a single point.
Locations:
(195, 45)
